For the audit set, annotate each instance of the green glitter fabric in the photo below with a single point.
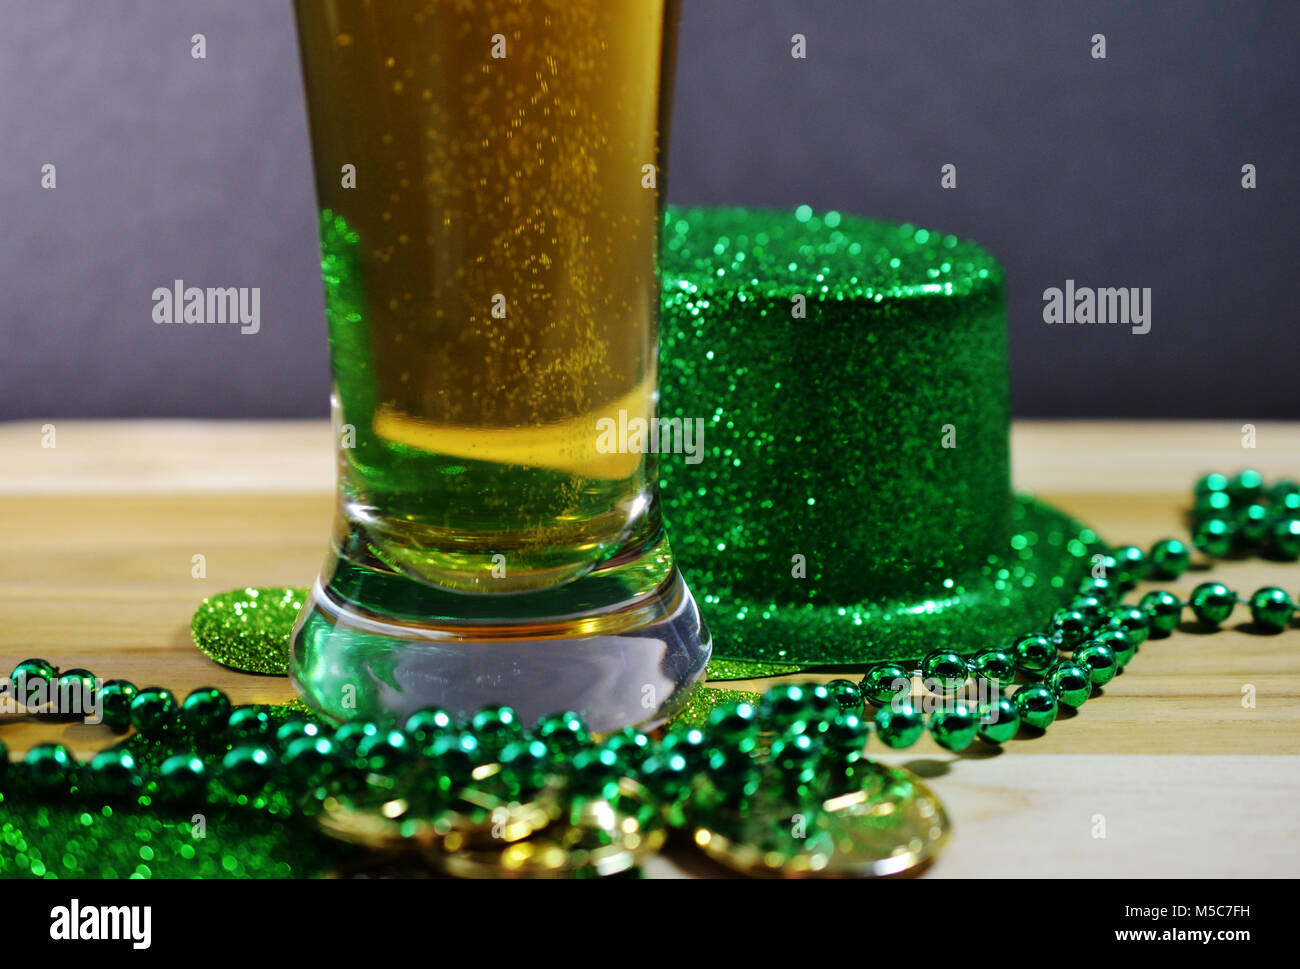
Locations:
(60, 840)
(248, 629)
(853, 501)
(732, 669)
(704, 700)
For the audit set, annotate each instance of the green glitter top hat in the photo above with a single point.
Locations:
(852, 499)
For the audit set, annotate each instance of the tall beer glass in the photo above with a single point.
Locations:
(490, 176)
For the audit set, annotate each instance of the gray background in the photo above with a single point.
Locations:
(1122, 172)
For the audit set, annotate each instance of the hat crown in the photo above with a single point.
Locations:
(851, 377)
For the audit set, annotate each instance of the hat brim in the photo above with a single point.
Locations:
(1014, 592)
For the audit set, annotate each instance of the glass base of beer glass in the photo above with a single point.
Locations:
(628, 666)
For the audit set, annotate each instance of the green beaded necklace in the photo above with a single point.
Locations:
(800, 746)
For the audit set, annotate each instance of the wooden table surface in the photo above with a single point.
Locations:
(1181, 775)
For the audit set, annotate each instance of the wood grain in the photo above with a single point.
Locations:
(100, 531)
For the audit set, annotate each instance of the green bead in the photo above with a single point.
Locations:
(944, 671)
(822, 707)
(1118, 642)
(1034, 653)
(348, 736)
(1271, 608)
(1070, 628)
(1105, 567)
(1132, 565)
(633, 747)
(1036, 705)
(601, 759)
(153, 708)
(846, 694)
(667, 775)
(1093, 609)
(34, 669)
(1071, 682)
(1214, 505)
(455, 755)
(292, 730)
(846, 736)
(1285, 498)
(884, 682)
(182, 777)
(1252, 524)
(32, 679)
(496, 726)
(563, 733)
(1284, 538)
(791, 707)
(782, 706)
(49, 766)
(205, 710)
(1213, 537)
(1246, 486)
(996, 666)
(114, 773)
(115, 698)
(692, 743)
(525, 767)
(899, 726)
(1099, 588)
(1099, 660)
(310, 759)
(1103, 579)
(734, 725)
(1169, 559)
(1280, 489)
(798, 758)
(248, 725)
(75, 690)
(424, 725)
(1133, 622)
(246, 770)
(795, 751)
(1163, 609)
(1210, 483)
(385, 752)
(594, 774)
(734, 773)
(954, 728)
(999, 721)
(1212, 602)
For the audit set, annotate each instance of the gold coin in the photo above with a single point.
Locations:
(397, 822)
(596, 838)
(890, 824)
(380, 827)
